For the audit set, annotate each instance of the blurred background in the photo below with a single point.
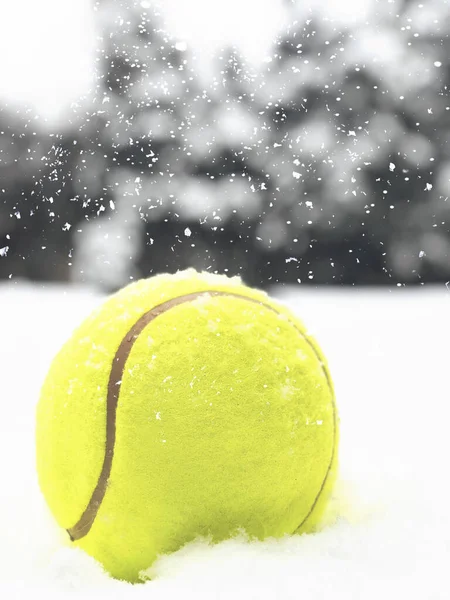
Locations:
(283, 141)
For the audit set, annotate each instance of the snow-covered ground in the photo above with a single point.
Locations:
(388, 351)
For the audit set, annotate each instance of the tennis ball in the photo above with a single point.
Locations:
(186, 405)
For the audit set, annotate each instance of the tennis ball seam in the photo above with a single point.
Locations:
(84, 524)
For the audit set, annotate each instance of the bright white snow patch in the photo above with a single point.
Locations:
(388, 352)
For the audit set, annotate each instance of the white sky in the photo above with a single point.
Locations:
(47, 46)
(46, 50)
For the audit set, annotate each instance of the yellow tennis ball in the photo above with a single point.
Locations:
(185, 405)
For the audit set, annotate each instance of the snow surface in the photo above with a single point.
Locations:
(388, 351)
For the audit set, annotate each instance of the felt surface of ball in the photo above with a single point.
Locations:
(186, 405)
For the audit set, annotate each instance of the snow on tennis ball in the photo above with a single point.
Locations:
(186, 405)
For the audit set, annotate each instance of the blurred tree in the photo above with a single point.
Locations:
(50, 184)
(180, 192)
(357, 113)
